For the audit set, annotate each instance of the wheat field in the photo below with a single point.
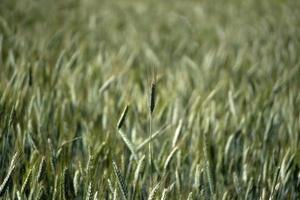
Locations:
(126, 99)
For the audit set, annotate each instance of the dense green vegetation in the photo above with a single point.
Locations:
(226, 121)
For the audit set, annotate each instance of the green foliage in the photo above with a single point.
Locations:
(226, 122)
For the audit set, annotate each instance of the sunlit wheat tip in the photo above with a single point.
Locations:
(122, 118)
